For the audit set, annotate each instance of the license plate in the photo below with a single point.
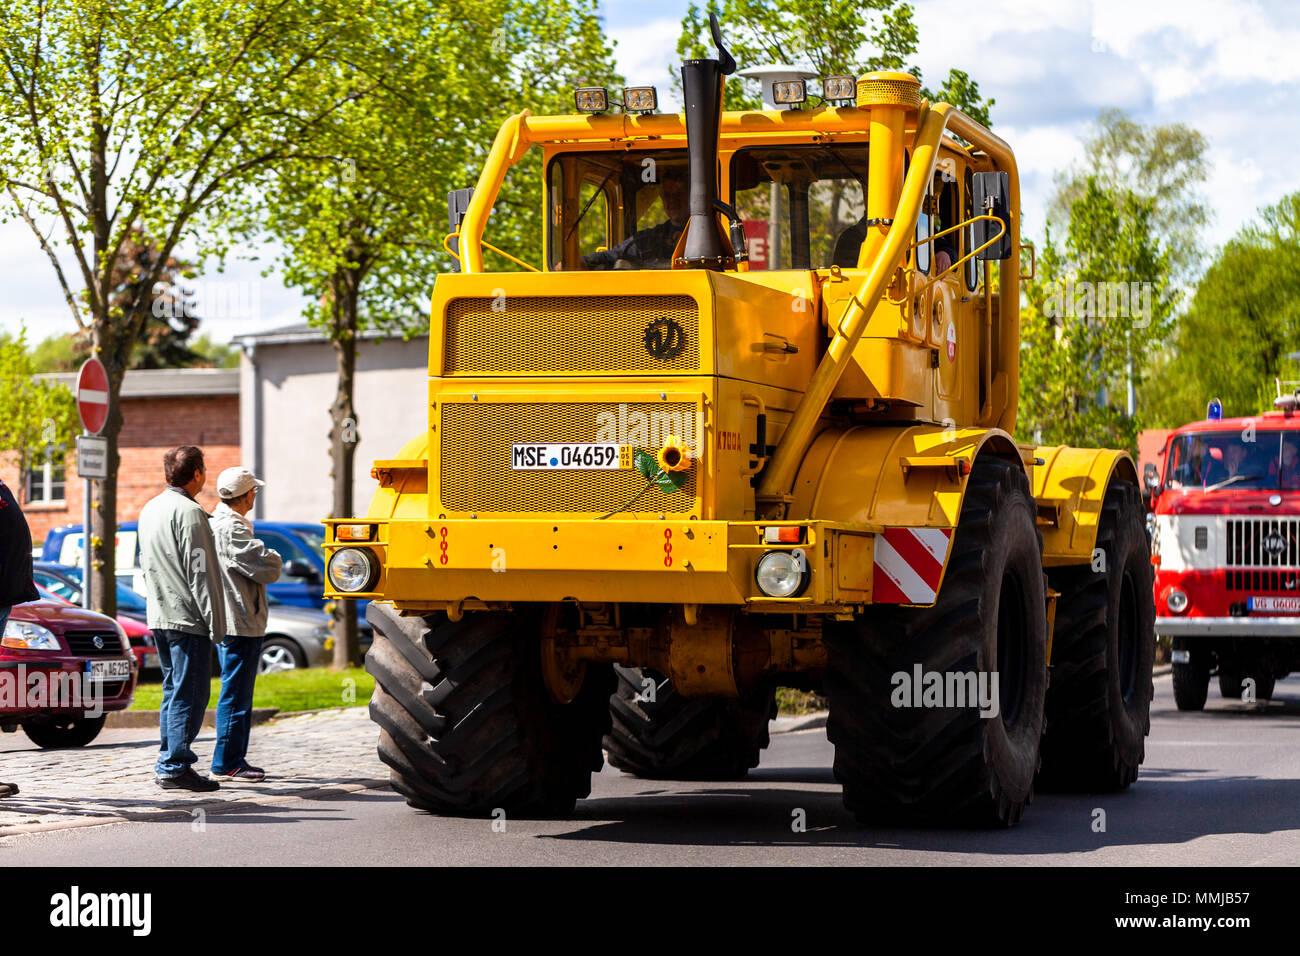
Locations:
(568, 456)
(1274, 605)
(108, 670)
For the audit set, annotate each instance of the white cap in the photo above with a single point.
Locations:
(233, 482)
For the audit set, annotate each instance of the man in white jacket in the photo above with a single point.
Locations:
(247, 567)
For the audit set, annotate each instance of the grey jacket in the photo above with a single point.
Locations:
(182, 575)
(247, 567)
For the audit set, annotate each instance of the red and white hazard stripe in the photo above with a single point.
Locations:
(909, 564)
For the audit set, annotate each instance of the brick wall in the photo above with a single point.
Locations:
(151, 426)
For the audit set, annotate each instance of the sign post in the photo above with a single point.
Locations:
(92, 451)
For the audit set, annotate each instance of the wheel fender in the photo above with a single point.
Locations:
(906, 484)
(403, 483)
(1070, 486)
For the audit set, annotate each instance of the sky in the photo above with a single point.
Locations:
(1228, 68)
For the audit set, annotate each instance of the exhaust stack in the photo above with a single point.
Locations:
(705, 245)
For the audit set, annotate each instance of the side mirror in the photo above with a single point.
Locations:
(457, 206)
(1150, 477)
(991, 193)
(299, 569)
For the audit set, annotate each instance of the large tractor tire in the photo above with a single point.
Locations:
(938, 764)
(466, 724)
(684, 738)
(1103, 651)
(1191, 678)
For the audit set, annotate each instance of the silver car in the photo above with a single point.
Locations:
(299, 637)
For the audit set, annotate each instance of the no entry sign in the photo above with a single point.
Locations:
(92, 396)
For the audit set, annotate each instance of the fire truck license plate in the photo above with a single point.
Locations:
(600, 456)
(1274, 605)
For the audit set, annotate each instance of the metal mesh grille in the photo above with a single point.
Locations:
(474, 464)
(1259, 581)
(882, 92)
(573, 334)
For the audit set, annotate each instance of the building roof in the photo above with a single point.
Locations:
(160, 383)
(303, 333)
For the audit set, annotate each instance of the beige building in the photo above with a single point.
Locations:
(288, 380)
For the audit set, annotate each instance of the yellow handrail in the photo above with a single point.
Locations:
(446, 244)
(974, 252)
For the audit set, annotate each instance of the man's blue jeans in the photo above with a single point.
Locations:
(186, 661)
(238, 657)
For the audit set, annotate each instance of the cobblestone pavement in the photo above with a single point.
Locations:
(112, 779)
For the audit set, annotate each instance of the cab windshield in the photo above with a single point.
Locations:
(1208, 461)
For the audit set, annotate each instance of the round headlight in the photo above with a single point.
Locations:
(1177, 601)
(352, 569)
(782, 573)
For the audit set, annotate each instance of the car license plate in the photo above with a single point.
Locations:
(1274, 605)
(108, 670)
(570, 456)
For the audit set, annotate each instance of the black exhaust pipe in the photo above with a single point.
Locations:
(706, 246)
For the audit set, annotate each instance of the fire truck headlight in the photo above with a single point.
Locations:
(1177, 601)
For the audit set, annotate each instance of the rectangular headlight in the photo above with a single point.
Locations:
(839, 88)
(640, 99)
(789, 92)
(591, 99)
(354, 532)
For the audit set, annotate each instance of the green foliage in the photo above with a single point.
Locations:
(1240, 328)
(57, 353)
(39, 416)
(1097, 310)
(1164, 164)
(211, 354)
(829, 39)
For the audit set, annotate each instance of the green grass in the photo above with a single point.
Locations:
(307, 689)
(793, 703)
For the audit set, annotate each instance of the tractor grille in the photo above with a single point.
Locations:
(474, 463)
(82, 643)
(565, 334)
(1263, 542)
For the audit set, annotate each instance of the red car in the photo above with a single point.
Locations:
(62, 669)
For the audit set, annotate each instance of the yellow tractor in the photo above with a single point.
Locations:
(708, 447)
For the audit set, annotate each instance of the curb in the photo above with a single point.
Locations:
(790, 725)
(210, 807)
(1161, 669)
(121, 719)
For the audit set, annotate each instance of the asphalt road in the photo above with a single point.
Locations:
(1221, 787)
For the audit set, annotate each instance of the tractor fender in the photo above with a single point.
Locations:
(905, 484)
(1070, 486)
(403, 490)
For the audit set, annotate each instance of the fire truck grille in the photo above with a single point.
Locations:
(571, 334)
(1258, 582)
(1263, 543)
(474, 460)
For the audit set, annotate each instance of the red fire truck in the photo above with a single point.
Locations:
(1226, 545)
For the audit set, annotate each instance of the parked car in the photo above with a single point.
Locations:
(65, 582)
(299, 637)
(53, 637)
(301, 584)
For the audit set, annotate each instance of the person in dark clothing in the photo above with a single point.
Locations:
(651, 248)
(16, 583)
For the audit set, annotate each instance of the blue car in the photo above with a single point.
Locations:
(301, 584)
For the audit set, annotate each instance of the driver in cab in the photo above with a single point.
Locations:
(651, 248)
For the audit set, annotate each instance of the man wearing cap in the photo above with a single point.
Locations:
(247, 567)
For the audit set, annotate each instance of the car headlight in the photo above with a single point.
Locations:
(1177, 601)
(782, 573)
(353, 569)
(31, 636)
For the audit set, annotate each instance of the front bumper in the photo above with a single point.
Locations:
(430, 564)
(1228, 626)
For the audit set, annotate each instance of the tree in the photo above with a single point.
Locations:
(1097, 309)
(40, 417)
(829, 39)
(150, 117)
(1163, 164)
(362, 224)
(1240, 327)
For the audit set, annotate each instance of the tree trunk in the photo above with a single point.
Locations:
(102, 535)
(343, 446)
